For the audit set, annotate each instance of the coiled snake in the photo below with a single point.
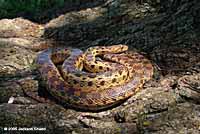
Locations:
(92, 83)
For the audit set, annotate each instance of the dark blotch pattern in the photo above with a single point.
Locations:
(100, 67)
(102, 83)
(66, 78)
(78, 74)
(84, 78)
(90, 83)
(120, 72)
(107, 68)
(114, 80)
(92, 66)
(75, 82)
(124, 77)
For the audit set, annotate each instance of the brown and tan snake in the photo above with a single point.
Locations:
(90, 83)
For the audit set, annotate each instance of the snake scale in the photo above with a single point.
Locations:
(98, 78)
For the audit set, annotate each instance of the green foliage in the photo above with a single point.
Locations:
(9, 8)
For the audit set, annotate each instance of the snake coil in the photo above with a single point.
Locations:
(90, 83)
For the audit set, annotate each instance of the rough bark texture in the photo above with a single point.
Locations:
(166, 31)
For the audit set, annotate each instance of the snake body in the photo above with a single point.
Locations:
(102, 84)
(75, 76)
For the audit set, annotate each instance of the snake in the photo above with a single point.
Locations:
(72, 69)
(97, 79)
